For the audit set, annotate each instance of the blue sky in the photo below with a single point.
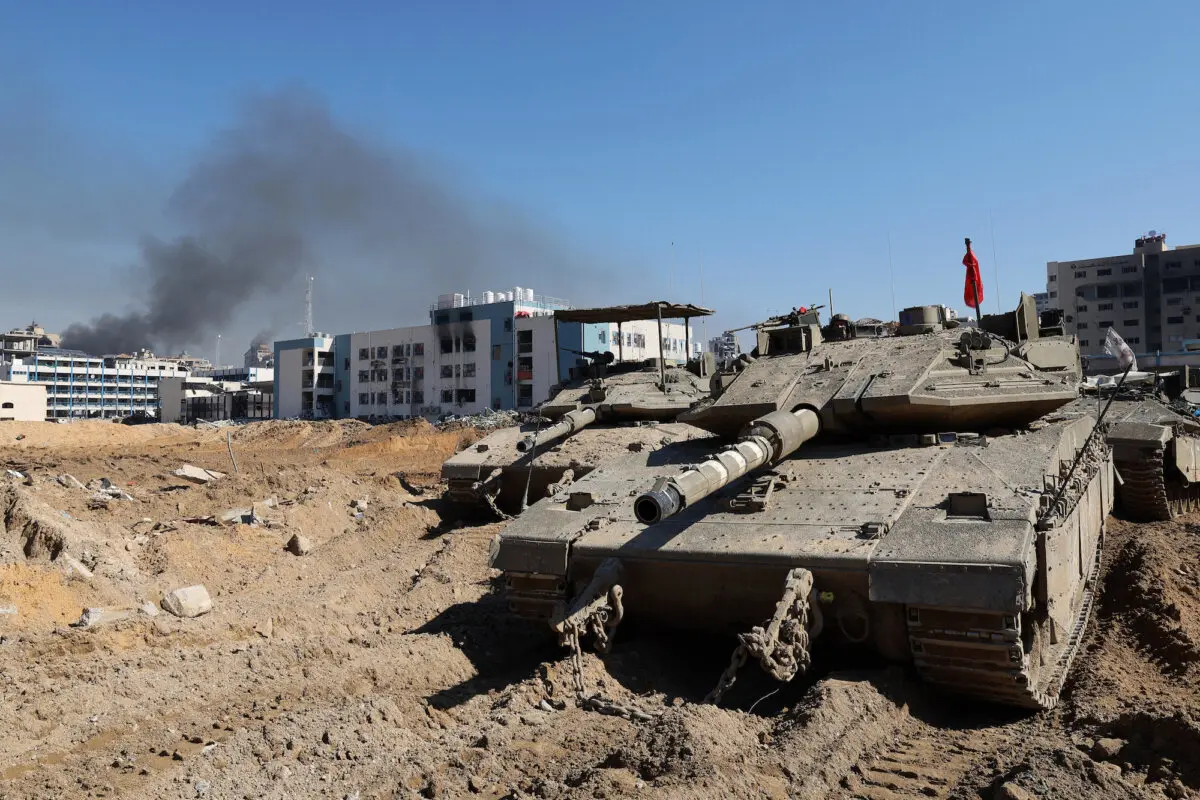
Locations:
(781, 143)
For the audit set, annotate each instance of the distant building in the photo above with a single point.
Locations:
(22, 342)
(1042, 300)
(187, 400)
(493, 351)
(22, 402)
(260, 354)
(79, 385)
(1151, 297)
(724, 347)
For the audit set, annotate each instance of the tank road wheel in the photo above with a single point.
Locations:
(1144, 493)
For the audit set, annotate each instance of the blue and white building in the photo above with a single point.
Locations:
(496, 350)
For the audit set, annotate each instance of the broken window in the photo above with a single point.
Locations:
(364, 353)
(447, 371)
(447, 395)
(468, 370)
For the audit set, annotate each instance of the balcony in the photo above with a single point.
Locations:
(524, 374)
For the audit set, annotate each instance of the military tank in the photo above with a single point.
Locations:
(924, 496)
(605, 406)
(1156, 452)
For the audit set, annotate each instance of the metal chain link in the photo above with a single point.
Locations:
(781, 647)
(596, 702)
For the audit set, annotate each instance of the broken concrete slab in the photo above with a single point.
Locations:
(187, 601)
(12, 473)
(70, 481)
(198, 475)
(102, 615)
(360, 504)
(298, 545)
(77, 565)
(236, 516)
(8, 611)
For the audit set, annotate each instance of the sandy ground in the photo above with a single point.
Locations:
(383, 664)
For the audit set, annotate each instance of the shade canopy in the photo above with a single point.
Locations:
(631, 313)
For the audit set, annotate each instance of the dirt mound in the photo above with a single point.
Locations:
(1153, 589)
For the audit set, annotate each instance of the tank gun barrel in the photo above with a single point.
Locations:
(570, 423)
(766, 440)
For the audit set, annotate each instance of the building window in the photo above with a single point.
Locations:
(447, 371)
(441, 319)
(1102, 272)
(1080, 273)
(381, 352)
(1128, 270)
(469, 370)
(1174, 320)
(1083, 342)
(419, 349)
(466, 316)
(1104, 307)
(364, 375)
(1133, 323)
(447, 345)
(1080, 291)
(495, 352)
(466, 396)
(1054, 294)
(1134, 340)
(469, 344)
(1109, 290)
(496, 403)
(1083, 308)
(418, 373)
(508, 324)
(524, 341)
(1053, 279)
(1105, 324)
(447, 395)
(364, 353)
(364, 398)
(1082, 326)
(398, 351)
(525, 394)
(629, 340)
(457, 370)
(603, 337)
(418, 396)
(1172, 264)
(1129, 304)
(1174, 301)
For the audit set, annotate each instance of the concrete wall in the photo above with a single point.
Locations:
(22, 401)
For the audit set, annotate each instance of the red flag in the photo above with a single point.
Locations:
(973, 290)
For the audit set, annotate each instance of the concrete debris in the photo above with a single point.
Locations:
(299, 545)
(12, 473)
(149, 609)
(359, 505)
(103, 615)
(236, 516)
(487, 419)
(198, 475)
(8, 611)
(70, 481)
(187, 601)
(77, 566)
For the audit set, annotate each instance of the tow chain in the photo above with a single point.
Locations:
(597, 610)
(782, 646)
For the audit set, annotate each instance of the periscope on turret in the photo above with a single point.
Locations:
(945, 507)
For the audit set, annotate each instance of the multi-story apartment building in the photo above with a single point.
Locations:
(79, 385)
(496, 351)
(1151, 296)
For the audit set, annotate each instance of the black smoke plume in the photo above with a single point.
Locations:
(289, 190)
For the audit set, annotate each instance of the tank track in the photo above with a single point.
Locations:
(981, 655)
(1148, 495)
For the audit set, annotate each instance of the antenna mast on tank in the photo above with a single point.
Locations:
(308, 313)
